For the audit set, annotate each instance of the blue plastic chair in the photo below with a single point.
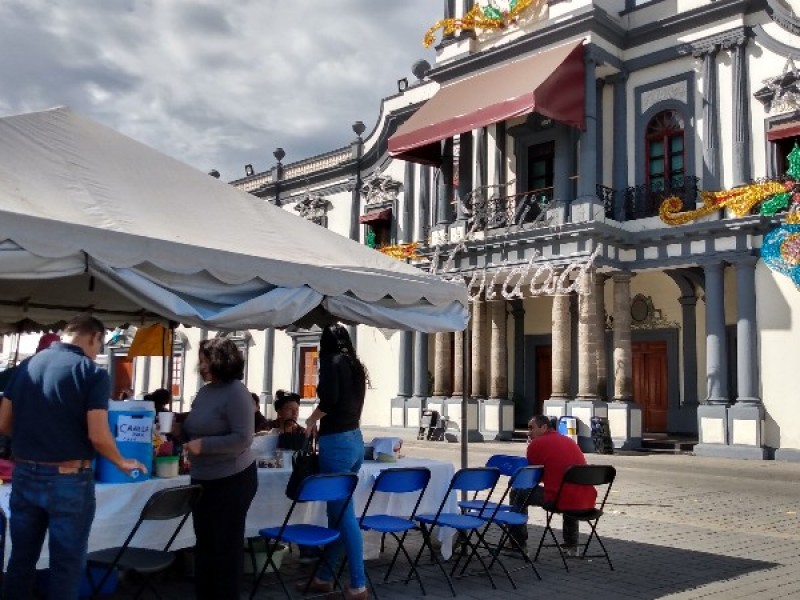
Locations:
(316, 488)
(475, 479)
(508, 466)
(397, 481)
(526, 478)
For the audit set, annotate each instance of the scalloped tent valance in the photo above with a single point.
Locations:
(93, 220)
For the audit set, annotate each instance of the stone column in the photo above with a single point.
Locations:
(689, 331)
(422, 222)
(497, 411)
(716, 356)
(444, 191)
(708, 54)
(405, 225)
(746, 332)
(458, 361)
(398, 418)
(741, 112)
(521, 412)
(624, 416)
(269, 366)
(746, 417)
(587, 345)
(478, 389)
(500, 157)
(602, 369)
(420, 390)
(587, 203)
(464, 172)
(561, 356)
(449, 13)
(619, 176)
(442, 371)
(480, 160)
(712, 416)
(623, 364)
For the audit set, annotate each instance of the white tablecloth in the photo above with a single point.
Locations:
(119, 505)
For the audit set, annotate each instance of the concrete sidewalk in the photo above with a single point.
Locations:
(676, 527)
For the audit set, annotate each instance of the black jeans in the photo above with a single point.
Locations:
(536, 498)
(219, 518)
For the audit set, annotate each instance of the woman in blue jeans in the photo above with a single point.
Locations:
(342, 386)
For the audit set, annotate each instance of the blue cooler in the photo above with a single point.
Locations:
(131, 424)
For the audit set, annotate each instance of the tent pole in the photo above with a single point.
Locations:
(465, 362)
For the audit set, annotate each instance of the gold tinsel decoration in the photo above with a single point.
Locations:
(478, 18)
(402, 251)
(740, 201)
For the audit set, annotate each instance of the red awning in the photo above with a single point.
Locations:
(782, 132)
(550, 83)
(376, 215)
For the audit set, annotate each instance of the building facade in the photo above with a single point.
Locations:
(560, 157)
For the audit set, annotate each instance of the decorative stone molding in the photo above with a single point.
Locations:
(678, 90)
(380, 189)
(725, 40)
(644, 315)
(314, 208)
(784, 16)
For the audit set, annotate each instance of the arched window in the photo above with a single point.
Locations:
(665, 151)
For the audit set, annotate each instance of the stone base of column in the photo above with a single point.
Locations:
(398, 412)
(625, 425)
(583, 409)
(746, 431)
(587, 208)
(787, 454)
(414, 408)
(457, 231)
(452, 410)
(555, 408)
(712, 430)
(497, 419)
(439, 235)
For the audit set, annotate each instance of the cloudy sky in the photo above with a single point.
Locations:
(216, 84)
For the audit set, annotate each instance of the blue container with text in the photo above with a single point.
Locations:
(131, 424)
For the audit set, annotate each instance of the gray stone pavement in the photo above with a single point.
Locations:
(676, 527)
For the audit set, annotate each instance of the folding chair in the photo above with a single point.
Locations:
(397, 481)
(427, 422)
(508, 465)
(475, 479)
(164, 505)
(580, 475)
(316, 488)
(503, 516)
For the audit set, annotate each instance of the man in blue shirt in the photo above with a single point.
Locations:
(56, 409)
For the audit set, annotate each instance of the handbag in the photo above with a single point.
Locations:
(305, 462)
(292, 440)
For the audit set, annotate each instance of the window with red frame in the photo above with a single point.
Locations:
(665, 151)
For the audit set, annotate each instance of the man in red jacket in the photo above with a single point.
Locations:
(556, 453)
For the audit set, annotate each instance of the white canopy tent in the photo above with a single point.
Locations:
(93, 220)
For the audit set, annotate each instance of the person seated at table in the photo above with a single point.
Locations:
(287, 407)
(556, 453)
(261, 422)
(161, 399)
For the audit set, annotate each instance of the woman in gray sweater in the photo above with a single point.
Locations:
(219, 428)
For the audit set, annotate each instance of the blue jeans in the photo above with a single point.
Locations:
(42, 501)
(343, 453)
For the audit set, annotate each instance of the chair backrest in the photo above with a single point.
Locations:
(507, 464)
(588, 475)
(475, 479)
(526, 478)
(327, 487)
(402, 480)
(171, 503)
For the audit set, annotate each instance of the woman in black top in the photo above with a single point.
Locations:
(341, 390)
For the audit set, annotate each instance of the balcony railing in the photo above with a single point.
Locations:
(643, 201)
(508, 211)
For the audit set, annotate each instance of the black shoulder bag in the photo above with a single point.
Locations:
(292, 440)
(305, 462)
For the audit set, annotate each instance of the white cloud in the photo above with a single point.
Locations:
(214, 84)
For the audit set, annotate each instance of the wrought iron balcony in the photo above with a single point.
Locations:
(643, 201)
(508, 211)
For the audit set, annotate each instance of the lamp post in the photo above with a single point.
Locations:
(278, 154)
(357, 147)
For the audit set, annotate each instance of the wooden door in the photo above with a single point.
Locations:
(123, 375)
(308, 372)
(650, 384)
(544, 376)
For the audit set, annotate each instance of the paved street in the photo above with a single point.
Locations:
(677, 527)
